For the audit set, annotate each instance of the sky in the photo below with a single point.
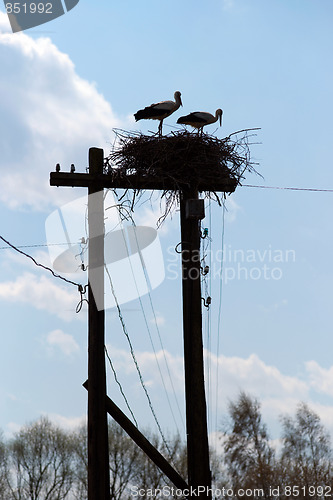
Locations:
(64, 87)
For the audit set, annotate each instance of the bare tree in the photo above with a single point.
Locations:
(129, 466)
(306, 456)
(80, 460)
(40, 462)
(248, 455)
(4, 492)
(124, 459)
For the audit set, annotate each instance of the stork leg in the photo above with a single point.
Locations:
(160, 128)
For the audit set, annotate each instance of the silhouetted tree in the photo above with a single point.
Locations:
(249, 457)
(129, 466)
(306, 456)
(3, 470)
(40, 462)
(80, 460)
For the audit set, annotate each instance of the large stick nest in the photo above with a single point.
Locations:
(182, 160)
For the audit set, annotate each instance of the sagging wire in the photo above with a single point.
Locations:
(207, 300)
(41, 245)
(219, 318)
(129, 217)
(158, 333)
(38, 264)
(136, 363)
(125, 214)
(119, 385)
(81, 288)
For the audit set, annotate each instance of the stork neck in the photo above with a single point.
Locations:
(177, 101)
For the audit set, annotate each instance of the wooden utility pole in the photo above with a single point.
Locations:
(98, 452)
(196, 418)
(196, 415)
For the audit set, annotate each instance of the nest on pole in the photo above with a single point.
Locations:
(181, 160)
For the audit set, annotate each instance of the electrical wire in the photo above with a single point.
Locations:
(157, 329)
(40, 245)
(119, 385)
(289, 188)
(209, 314)
(136, 363)
(128, 216)
(219, 319)
(206, 282)
(38, 264)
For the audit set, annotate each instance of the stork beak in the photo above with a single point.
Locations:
(220, 120)
(180, 101)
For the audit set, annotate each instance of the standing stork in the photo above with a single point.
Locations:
(199, 119)
(159, 111)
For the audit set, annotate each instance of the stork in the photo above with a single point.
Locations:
(199, 119)
(160, 110)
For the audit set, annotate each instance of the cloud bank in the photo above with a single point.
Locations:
(48, 114)
(42, 293)
(277, 392)
(63, 341)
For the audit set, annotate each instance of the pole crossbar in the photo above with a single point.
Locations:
(135, 182)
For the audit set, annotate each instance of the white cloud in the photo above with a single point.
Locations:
(122, 360)
(11, 429)
(48, 115)
(63, 341)
(4, 24)
(69, 423)
(42, 293)
(320, 378)
(253, 375)
(277, 392)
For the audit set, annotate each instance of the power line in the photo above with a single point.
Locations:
(40, 245)
(40, 265)
(289, 188)
(128, 216)
(156, 325)
(206, 281)
(136, 363)
(119, 385)
(219, 319)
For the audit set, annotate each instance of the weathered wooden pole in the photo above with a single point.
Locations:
(98, 454)
(199, 475)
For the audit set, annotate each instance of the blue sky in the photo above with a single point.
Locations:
(64, 86)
